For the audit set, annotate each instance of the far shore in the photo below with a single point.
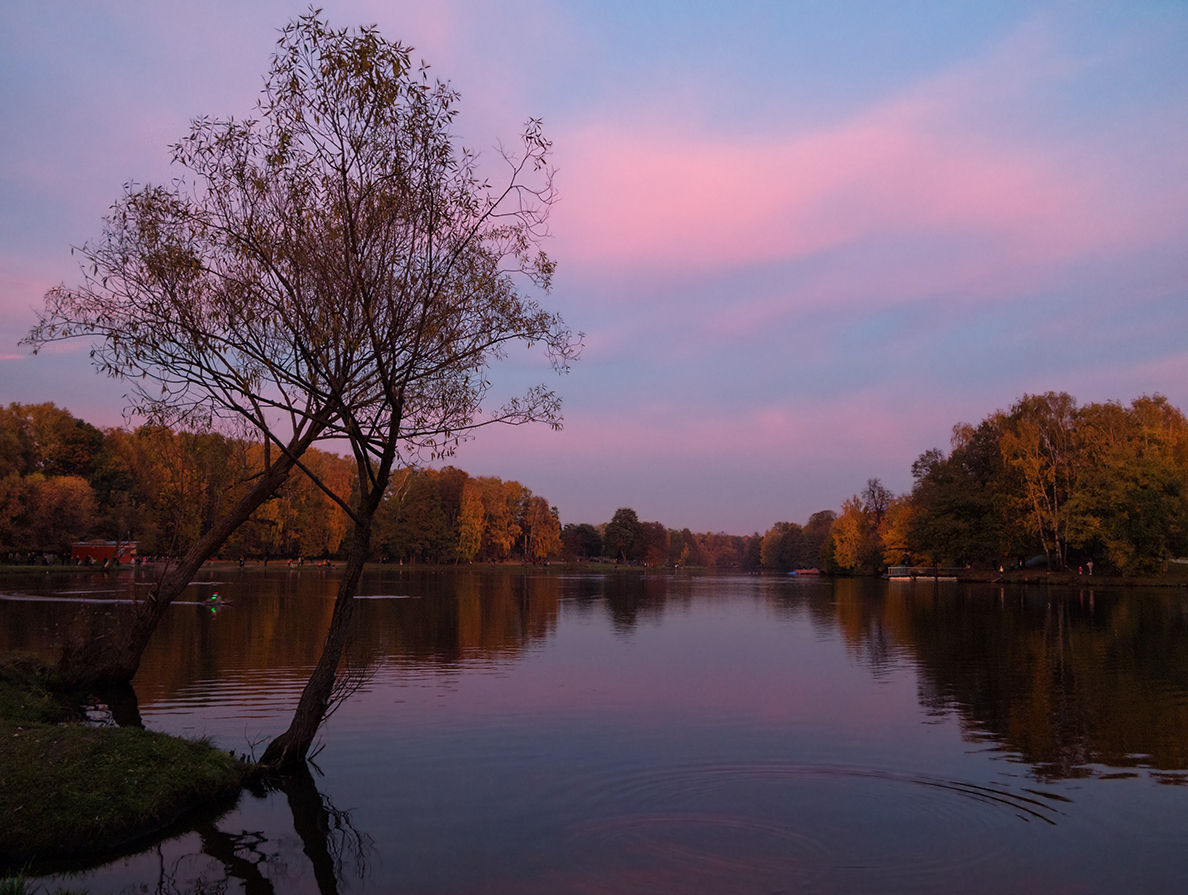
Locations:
(1175, 575)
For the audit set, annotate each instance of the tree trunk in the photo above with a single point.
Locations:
(292, 746)
(114, 659)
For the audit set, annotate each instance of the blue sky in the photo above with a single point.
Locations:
(803, 239)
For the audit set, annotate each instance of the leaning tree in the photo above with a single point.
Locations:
(334, 268)
(433, 265)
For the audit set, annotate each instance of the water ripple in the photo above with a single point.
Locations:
(792, 827)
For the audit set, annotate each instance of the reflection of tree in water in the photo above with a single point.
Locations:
(457, 616)
(862, 610)
(241, 855)
(1065, 679)
(630, 595)
(335, 849)
(328, 837)
(860, 607)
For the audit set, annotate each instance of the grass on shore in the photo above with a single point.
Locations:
(67, 789)
(22, 885)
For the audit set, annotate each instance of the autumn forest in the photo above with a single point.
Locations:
(1046, 480)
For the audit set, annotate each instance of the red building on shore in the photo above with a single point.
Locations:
(99, 552)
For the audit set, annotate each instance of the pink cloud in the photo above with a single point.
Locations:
(658, 433)
(665, 200)
(957, 163)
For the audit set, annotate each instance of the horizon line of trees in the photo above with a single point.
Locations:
(64, 480)
(625, 539)
(628, 540)
(1102, 482)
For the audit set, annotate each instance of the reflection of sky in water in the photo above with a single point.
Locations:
(717, 736)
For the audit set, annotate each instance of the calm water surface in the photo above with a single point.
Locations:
(652, 733)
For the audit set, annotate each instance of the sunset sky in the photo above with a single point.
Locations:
(803, 239)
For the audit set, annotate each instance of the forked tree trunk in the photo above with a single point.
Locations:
(292, 746)
(114, 659)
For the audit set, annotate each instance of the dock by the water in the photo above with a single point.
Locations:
(932, 573)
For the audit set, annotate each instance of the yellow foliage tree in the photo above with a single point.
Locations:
(543, 530)
(850, 534)
(896, 532)
(1037, 441)
(470, 521)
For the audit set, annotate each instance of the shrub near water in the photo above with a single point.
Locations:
(73, 790)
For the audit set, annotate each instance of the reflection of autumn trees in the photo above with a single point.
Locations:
(274, 618)
(274, 622)
(277, 622)
(1064, 679)
(868, 622)
(630, 597)
(459, 616)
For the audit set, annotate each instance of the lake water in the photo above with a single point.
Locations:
(545, 732)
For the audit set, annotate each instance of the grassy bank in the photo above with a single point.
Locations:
(70, 790)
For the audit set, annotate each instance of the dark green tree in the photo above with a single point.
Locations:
(652, 547)
(418, 525)
(621, 539)
(580, 541)
(963, 504)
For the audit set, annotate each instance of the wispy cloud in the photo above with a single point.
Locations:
(952, 177)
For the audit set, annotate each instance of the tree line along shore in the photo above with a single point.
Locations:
(1045, 488)
(1046, 483)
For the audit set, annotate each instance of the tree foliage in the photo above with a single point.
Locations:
(784, 548)
(580, 541)
(1037, 440)
(1131, 499)
(621, 540)
(964, 506)
(165, 489)
(1099, 481)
